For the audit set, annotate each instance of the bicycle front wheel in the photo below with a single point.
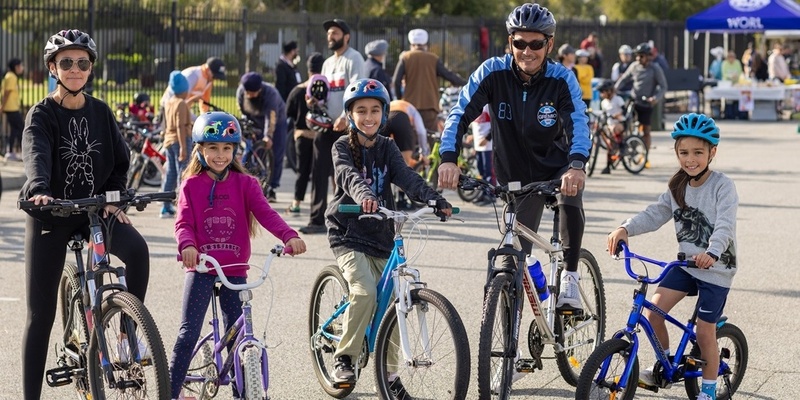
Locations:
(253, 380)
(581, 334)
(634, 154)
(600, 378)
(495, 364)
(142, 376)
(733, 351)
(73, 320)
(135, 171)
(439, 364)
(329, 294)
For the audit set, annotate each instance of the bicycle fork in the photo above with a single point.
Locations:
(404, 306)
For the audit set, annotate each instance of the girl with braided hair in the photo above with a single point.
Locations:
(366, 164)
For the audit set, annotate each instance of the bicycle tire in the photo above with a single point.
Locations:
(330, 291)
(442, 373)
(202, 366)
(151, 175)
(616, 352)
(146, 379)
(496, 321)
(571, 361)
(731, 342)
(260, 165)
(593, 155)
(67, 288)
(634, 154)
(253, 381)
(135, 172)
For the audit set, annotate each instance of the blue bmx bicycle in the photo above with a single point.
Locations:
(246, 366)
(612, 371)
(416, 334)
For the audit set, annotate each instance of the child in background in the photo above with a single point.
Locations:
(613, 106)
(365, 166)
(177, 137)
(219, 209)
(585, 73)
(482, 142)
(703, 205)
(141, 109)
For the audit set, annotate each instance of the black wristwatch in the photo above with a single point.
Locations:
(577, 164)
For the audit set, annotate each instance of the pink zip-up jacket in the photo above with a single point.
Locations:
(220, 228)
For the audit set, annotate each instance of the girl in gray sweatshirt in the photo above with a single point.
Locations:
(702, 204)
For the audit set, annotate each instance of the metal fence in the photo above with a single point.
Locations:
(139, 45)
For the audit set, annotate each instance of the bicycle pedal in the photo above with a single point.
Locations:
(59, 376)
(697, 362)
(652, 388)
(343, 385)
(569, 311)
(527, 365)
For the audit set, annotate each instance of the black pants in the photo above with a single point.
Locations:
(321, 175)
(15, 124)
(45, 254)
(304, 151)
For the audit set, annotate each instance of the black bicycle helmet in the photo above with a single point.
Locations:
(643, 48)
(69, 39)
(696, 125)
(606, 84)
(140, 97)
(531, 17)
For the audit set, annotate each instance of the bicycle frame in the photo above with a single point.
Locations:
(673, 371)
(544, 316)
(240, 334)
(388, 286)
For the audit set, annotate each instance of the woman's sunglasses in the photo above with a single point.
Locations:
(66, 64)
(534, 45)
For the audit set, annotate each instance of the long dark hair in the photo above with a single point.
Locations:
(677, 184)
(355, 147)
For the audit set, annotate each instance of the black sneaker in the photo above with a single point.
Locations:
(397, 390)
(606, 170)
(343, 370)
(313, 228)
(271, 197)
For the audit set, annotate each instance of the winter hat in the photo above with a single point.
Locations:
(178, 83)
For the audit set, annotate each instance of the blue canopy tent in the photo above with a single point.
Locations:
(746, 16)
(742, 16)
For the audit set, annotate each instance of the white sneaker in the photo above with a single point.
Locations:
(122, 351)
(646, 377)
(570, 296)
(704, 396)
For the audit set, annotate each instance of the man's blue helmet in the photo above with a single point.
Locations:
(531, 17)
(696, 125)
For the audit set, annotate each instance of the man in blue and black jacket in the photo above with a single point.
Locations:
(540, 130)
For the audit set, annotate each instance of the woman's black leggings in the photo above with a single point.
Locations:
(45, 254)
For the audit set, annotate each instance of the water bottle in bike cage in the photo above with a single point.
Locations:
(539, 280)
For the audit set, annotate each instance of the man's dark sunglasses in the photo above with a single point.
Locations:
(66, 64)
(520, 44)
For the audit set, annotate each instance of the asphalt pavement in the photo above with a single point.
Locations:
(760, 157)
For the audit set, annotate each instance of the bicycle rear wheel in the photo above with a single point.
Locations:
(600, 377)
(76, 328)
(135, 171)
(495, 364)
(597, 142)
(201, 377)
(260, 165)
(151, 176)
(581, 334)
(330, 292)
(634, 154)
(147, 378)
(732, 346)
(439, 367)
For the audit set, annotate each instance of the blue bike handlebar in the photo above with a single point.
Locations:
(628, 255)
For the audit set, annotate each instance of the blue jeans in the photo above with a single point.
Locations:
(173, 167)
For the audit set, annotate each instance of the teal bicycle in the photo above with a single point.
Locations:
(412, 324)
(612, 371)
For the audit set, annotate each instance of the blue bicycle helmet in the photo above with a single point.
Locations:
(531, 17)
(367, 89)
(696, 125)
(217, 127)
